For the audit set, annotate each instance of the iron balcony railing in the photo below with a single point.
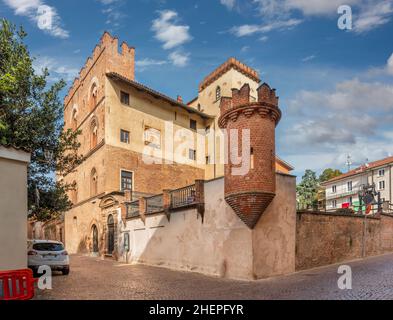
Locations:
(155, 204)
(343, 194)
(183, 197)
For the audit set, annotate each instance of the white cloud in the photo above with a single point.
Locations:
(308, 58)
(247, 30)
(147, 62)
(372, 16)
(57, 70)
(179, 59)
(168, 31)
(114, 14)
(245, 49)
(41, 14)
(352, 95)
(389, 66)
(318, 7)
(228, 3)
(367, 14)
(352, 118)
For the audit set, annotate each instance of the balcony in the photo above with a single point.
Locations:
(337, 195)
(168, 201)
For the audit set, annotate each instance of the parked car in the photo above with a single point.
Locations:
(49, 253)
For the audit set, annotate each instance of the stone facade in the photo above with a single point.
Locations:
(220, 244)
(113, 113)
(327, 238)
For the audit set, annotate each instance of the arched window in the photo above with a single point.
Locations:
(218, 93)
(111, 235)
(93, 182)
(93, 96)
(74, 193)
(74, 122)
(94, 231)
(93, 133)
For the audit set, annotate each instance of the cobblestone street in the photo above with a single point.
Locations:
(93, 278)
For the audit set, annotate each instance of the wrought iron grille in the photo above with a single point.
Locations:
(133, 209)
(155, 204)
(183, 197)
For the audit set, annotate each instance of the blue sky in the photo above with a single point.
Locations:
(335, 86)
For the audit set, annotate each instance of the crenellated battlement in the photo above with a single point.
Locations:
(122, 62)
(250, 193)
(240, 102)
(225, 67)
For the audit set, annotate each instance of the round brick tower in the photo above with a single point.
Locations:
(250, 192)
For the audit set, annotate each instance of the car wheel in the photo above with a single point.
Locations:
(66, 271)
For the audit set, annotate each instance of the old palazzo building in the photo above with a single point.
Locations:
(123, 204)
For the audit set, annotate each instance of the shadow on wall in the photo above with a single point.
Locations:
(222, 245)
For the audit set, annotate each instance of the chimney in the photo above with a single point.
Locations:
(179, 99)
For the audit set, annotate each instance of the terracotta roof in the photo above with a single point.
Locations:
(156, 94)
(285, 164)
(225, 67)
(361, 169)
(9, 146)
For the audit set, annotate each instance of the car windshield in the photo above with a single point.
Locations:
(48, 247)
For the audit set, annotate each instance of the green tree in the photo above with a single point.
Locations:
(306, 190)
(328, 174)
(31, 117)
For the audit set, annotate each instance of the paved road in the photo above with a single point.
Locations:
(93, 278)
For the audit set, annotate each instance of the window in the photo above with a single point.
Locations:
(218, 93)
(252, 158)
(127, 242)
(193, 124)
(124, 136)
(126, 180)
(208, 160)
(93, 182)
(207, 129)
(334, 203)
(381, 185)
(334, 189)
(199, 107)
(93, 134)
(350, 200)
(74, 193)
(74, 120)
(124, 98)
(349, 185)
(381, 172)
(51, 246)
(152, 137)
(192, 154)
(93, 96)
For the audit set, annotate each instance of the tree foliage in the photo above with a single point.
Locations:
(328, 174)
(306, 190)
(31, 117)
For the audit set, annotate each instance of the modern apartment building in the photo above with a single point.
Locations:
(342, 191)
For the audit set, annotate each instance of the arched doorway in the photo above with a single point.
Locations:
(111, 235)
(95, 239)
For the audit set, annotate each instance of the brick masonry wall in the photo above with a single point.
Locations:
(323, 239)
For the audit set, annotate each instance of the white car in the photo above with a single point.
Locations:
(48, 253)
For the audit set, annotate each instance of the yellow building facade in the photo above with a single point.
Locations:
(135, 138)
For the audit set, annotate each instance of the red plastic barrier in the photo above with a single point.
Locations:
(16, 285)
